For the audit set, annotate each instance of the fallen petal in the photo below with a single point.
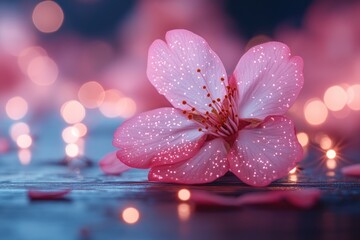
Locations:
(352, 170)
(305, 198)
(47, 194)
(111, 165)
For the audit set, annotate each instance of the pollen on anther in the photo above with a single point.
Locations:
(198, 70)
(190, 116)
(184, 112)
(210, 105)
(213, 101)
(208, 95)
(183, 102)
(204, 87)
(193, 109)
(222, 79)
(200, 129)
(218, 99)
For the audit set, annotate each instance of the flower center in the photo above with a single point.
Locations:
(222, 119)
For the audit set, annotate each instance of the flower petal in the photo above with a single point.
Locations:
(111, 165)
(266, 153)
(157, 137)
(206, 166)
(47, 194)
(303, 198)
(268, 80)
(351, 170)
(173, 68)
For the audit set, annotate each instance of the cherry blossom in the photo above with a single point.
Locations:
(216, 124)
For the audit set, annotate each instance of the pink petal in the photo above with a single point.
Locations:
(266, 153)
(305, 198)
(157, 137)
(206, 166)
(268, 80)
(173, 70)
(47, 194)
(352, 170)
(111, 165)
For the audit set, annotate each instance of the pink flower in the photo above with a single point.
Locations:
(217, 125)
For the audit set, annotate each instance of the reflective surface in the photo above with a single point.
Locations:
(130, 207)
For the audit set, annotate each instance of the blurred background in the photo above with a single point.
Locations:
(72, 71)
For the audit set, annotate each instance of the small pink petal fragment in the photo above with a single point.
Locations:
(47, 194)
(305, 198)
(111, 165)
(352, 170)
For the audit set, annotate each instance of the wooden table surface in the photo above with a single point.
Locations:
(93, 208)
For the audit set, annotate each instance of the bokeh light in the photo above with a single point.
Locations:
(16, 108)
(303, 138)
(184, 211)
(315, 112)
(109, 107)
(126, 107)
(27, 55)
(293, 171)
(70, 134)
(331, 163)
(184, 194)
(24, 141)
(331, 154)
(81, 129)
(91, 94)
(72, 150)
(81, 145)
(293, 178)
(130, 215)
(24, 156)
(47, 16)
(354, 97)
(72, 112)
(18, 129)
(325, 142)
(42, 70)
(335, 98)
